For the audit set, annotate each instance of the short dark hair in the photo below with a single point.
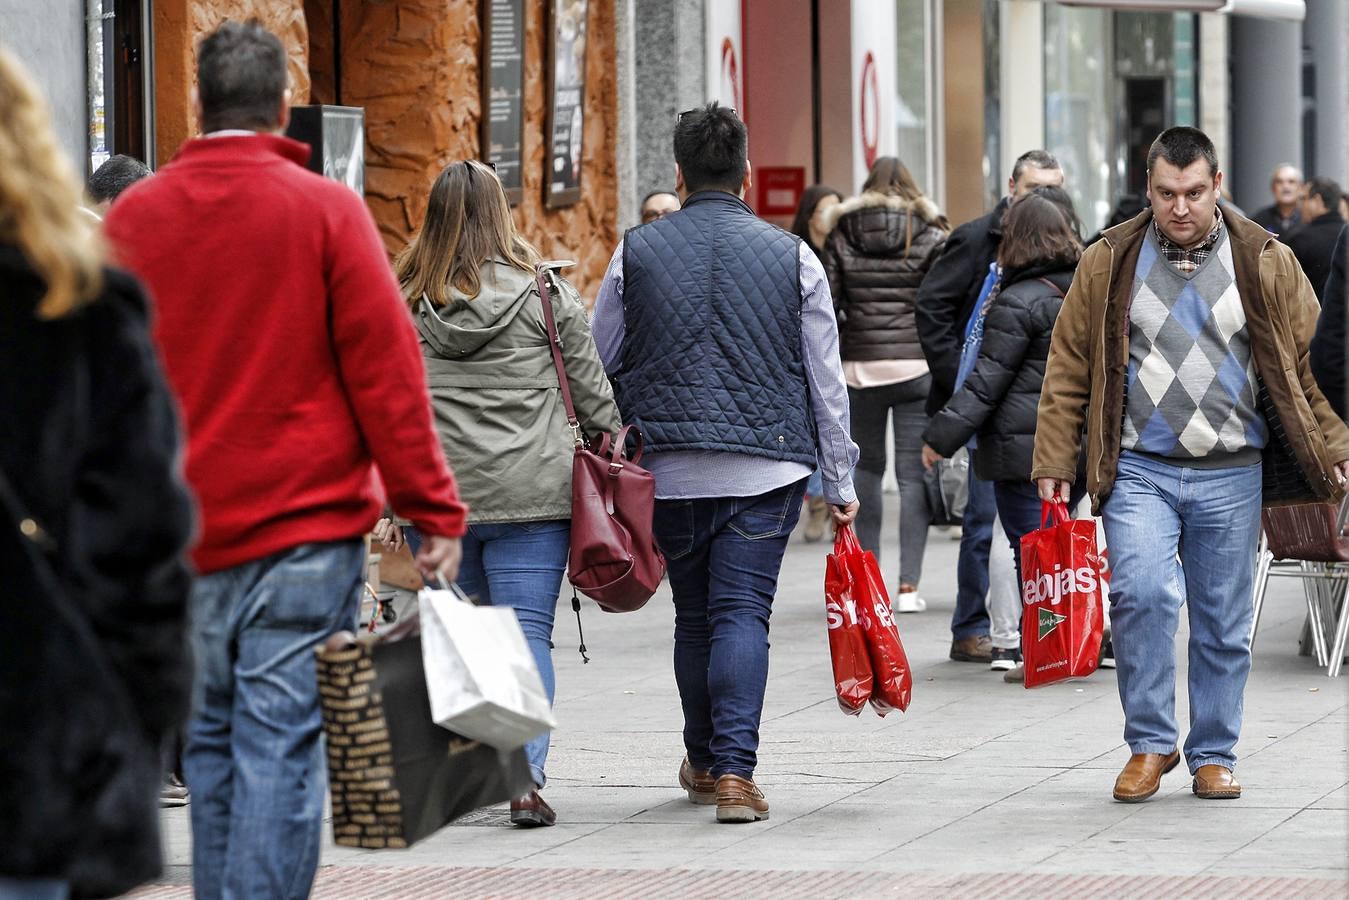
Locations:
(1181, 146)
(115, 175)
(1040, 159)
(241, 77)
(711, 147)
(1328, 190)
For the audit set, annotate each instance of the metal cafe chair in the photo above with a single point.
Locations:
(1310, 542)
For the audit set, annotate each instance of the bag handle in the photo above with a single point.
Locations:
(845, 540)
(1055, 511)
(555, 344)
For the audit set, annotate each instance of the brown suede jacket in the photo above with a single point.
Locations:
(1089, 356)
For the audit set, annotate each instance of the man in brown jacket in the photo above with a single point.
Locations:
(1181, 354)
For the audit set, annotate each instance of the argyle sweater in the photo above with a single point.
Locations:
(1191, 382)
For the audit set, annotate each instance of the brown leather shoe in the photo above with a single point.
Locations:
(977, 649)
(532, 811)
(1142, 775)
(740, 800)
(1214, 782)
(698, 784)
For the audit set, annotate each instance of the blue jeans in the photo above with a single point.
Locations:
(520, 565)
(1018, 504)
(253, 758)
(1210, 519)
(970, 618)
(724, 555)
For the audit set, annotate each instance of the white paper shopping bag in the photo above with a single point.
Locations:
(481, 677)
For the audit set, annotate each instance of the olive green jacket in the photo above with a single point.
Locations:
(495, 396)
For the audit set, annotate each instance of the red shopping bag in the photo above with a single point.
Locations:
(1061, 596)
(892, 678)
(847, 643)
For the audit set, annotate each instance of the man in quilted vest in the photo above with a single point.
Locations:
(1182, 349)
(718, 331)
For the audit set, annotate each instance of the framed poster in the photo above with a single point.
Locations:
(566, 101)
(503, 80)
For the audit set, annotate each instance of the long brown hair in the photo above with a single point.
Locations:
(1036, 231)
(891, 177)
(468, 221)
(40, 198)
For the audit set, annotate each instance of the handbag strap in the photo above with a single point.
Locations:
(555, 344)
(1058, 290)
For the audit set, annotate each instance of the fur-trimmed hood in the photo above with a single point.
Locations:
(879, 224)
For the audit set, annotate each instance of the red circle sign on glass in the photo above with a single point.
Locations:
(730, 74)
(869, 109)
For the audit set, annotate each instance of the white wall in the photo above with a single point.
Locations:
(48, 37)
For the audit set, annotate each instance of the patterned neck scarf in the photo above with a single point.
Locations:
(1187, 261)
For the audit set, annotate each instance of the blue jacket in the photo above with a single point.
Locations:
(712, 317)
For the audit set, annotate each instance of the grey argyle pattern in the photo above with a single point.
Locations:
(1191, 380)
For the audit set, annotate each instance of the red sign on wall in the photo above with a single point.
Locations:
(780, 189)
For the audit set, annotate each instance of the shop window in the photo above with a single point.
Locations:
(1080, 105)
(117, 76)
(913, 65)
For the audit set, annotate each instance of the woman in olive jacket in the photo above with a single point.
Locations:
(94, 668)
(469, 281)
(880, 246)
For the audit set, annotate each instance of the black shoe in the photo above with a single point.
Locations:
(1004, 660)
(1107, 655)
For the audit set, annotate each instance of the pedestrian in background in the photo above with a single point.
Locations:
(1176, 429)
(880, 245)
(1285, 213)
(93, 653)
(468, 278)
(289, 348)
(1037, 256)
(1313, 242)
(115, 175)
(726, 357)
(946, 300)
(658, 205)
(810, 225)
(1329, 356)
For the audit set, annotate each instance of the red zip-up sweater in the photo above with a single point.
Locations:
(286, 340)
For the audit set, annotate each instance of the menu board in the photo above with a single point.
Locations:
(503, 79)
(566, 101)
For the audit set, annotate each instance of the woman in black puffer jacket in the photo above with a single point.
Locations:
(880, 246)
(998, 402)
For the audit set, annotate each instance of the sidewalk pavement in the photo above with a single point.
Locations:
(981, 789)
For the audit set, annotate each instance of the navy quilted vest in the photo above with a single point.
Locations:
(712, 343)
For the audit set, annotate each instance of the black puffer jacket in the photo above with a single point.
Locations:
(95, 674)
(999, 399)
(873, 278)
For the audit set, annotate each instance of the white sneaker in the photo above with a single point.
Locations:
(909, 602)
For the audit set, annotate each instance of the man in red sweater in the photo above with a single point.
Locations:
(287, 343)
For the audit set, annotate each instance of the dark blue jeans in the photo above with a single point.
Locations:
(1019, 510)
(976, 536)
(724, 555)
(253, 758)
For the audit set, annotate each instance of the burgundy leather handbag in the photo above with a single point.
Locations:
(613, 559)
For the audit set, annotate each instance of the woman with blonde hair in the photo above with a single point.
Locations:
(93, 526)
(880, 245)
(469, 280)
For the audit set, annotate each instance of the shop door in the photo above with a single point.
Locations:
(1144, 119)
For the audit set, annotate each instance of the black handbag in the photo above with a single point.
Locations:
(394, 775)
